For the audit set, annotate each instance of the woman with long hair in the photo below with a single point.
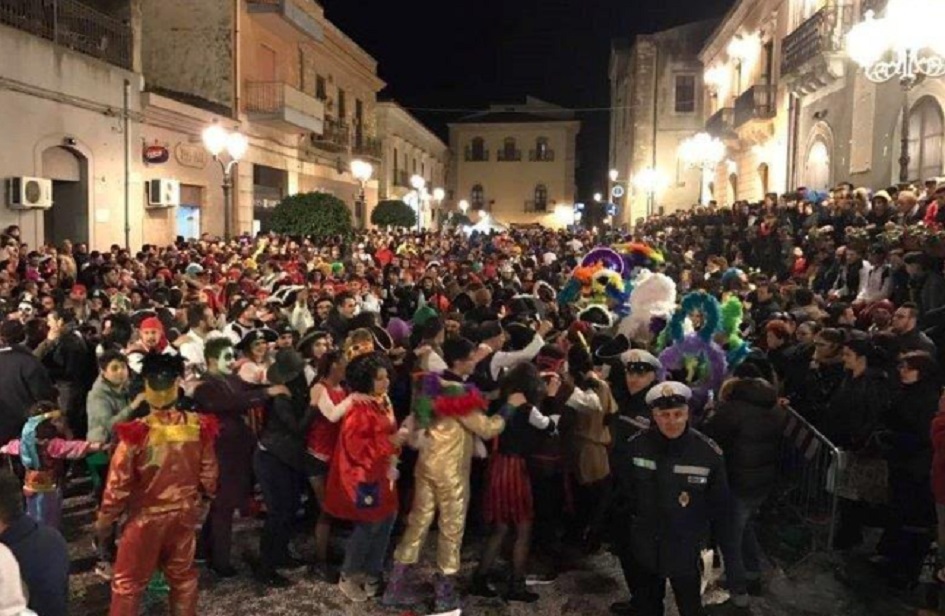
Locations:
(362, 476)
(508, 497)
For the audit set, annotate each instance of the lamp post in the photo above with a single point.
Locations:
(362, 172)
(419, 184)
(649, 180)
(905, 44)
(704, 152)
(438, 195)
(216, 139)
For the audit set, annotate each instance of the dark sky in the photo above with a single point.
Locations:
(466, 54)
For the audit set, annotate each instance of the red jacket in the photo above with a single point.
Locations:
(938, 454)
(360, 487)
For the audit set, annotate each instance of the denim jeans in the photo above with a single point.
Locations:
(280, 485)
(367, 547)
(744, 561)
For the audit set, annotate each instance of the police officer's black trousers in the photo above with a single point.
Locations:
(648, 591)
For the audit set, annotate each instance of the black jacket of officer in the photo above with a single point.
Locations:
(668, 492)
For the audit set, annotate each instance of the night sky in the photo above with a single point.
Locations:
(466, 54)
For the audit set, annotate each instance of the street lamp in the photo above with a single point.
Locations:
(362, 172)
(598, 197)
(419, 184)
(649, 181)
(463, 206)
(216, 139)
(907, 44)
(438, 195)
(704, 152)
(614, 174)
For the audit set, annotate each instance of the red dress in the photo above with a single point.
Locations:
(359, 485)
(323, 435)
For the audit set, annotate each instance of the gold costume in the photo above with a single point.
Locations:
(442, 483)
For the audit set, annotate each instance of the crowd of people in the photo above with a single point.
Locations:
(550, 391)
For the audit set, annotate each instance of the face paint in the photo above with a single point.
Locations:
(226, 361)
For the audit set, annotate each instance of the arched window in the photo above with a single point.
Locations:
(509, 153)
(763, 177)
(817, 168)
(477, 149)
(477, 197)
(925, 139)
(541, 198)
(733, 186)
(542, 151)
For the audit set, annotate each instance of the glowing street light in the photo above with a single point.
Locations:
(650, 181)
(905, 44)
(614, 174)
(704, 152)
(362, 172)
(216, 139)
(419, 185)
(598, 196)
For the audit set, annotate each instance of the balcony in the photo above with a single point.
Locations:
(74, 26)
(401, 178)
(335, 138)
(722, 124)
(286, 19)
(474, 156)
(543, 156)
(754, 113)
(278, 105)
(508, 156)
(812, 56)
(536, 207)
(367, 147)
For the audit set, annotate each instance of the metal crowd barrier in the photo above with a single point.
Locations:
(809, 466)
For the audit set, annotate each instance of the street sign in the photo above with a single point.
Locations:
(578, 207)
(611, 209)
(617, 191)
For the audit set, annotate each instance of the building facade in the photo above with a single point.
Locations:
(656, 103)
(516, 163)
(409, 148)
(794, 110)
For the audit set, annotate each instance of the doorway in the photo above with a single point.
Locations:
(188, 212)
(68, 218)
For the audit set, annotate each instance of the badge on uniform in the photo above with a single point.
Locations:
(684, 499)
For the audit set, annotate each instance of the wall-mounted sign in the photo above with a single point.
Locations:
(617, 191)
(190, 155)
(156, 154)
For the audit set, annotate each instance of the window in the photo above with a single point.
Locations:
(541, 198)
(266, 63)
(320, 92)
(342, 106)
(302, 81)
(396, 162)
(685, 93)
(541, 152)
(763, 177)
(476, 150)
(477, 197)
(509, 153)
(925, 139)
(733, 186)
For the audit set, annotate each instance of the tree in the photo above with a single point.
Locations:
(394, 213)
(458, 219)
(315, 213)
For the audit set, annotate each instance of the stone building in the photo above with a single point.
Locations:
(516, 163)
(656, 103)
(409, 148)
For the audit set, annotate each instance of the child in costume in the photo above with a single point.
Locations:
(43, 449)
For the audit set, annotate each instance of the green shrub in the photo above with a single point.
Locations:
(394, 213)
(317, 214)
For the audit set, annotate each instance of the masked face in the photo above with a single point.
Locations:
(226, 361)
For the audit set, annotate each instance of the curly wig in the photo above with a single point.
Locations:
(363, 369)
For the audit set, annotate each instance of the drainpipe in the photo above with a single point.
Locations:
(126, 128)
(237, 65)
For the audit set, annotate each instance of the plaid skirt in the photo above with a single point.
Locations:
(508, 497)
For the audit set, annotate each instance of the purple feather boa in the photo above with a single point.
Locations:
(693, 346)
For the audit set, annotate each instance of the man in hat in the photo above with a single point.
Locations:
(671, 486)
(240, 320)
(151, 341)
(493, 360)
(162, 476)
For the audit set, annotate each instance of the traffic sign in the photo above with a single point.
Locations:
(617, 191)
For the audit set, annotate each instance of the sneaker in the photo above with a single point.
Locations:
(103, 569)
(517, 591)
(372, 586)
(621, 608)
(322, 572)
(540, 579)
(352, 590)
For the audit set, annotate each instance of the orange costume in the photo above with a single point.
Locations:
(163, 468)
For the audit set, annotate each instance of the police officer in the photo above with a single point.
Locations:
(671, 486)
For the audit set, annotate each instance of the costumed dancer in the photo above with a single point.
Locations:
(450, 414)
(362, 477)
(508, 497)
(671, 486)
(43, 448)
(162, 475)
(226, 397)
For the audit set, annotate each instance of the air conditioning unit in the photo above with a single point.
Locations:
(29, 193)
(163, 193)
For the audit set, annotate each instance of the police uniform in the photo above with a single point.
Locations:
(668, 493)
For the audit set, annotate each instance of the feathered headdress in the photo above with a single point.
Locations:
(436, 397)
(736, 348)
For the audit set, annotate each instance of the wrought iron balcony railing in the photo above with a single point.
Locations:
(822, 33)
(536, 206)
(367, 147)
(72, 25)
(334, 138)
(474, 156)
(541, 156)
(401, 178)
(508, 156)
(721, 122)
(756, 103)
